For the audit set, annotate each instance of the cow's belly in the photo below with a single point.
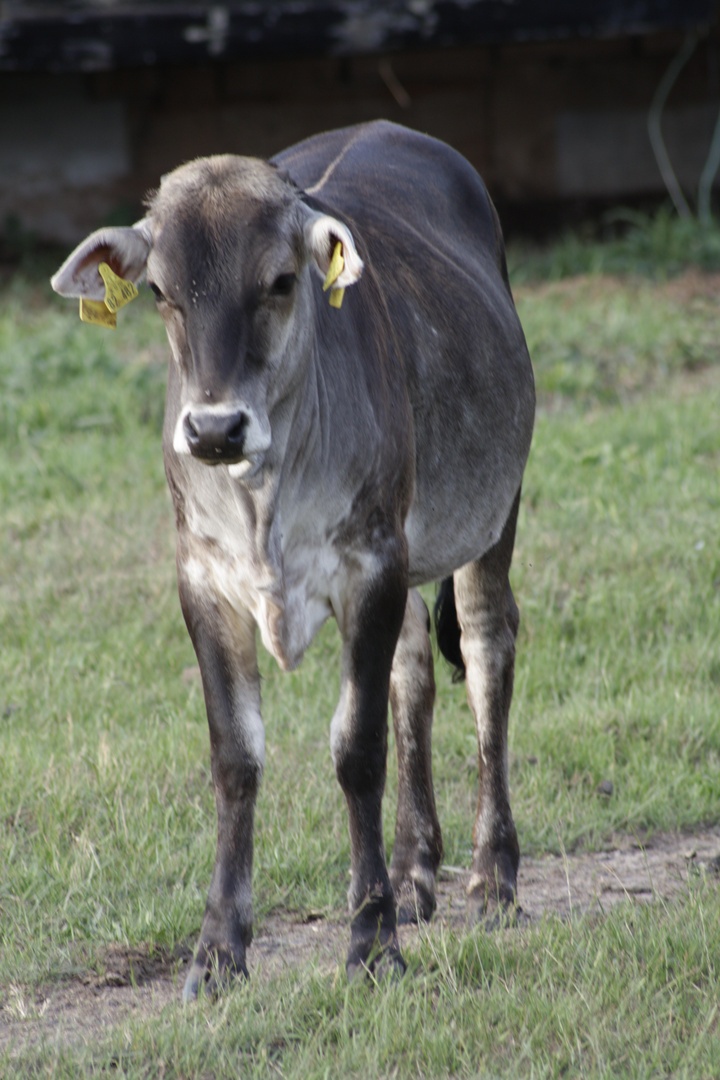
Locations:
(447, 526)
(438, 544)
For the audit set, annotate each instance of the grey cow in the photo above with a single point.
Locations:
(323, 461)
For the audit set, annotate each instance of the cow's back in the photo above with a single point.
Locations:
(435, 246)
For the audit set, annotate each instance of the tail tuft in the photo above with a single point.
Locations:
(447, 628)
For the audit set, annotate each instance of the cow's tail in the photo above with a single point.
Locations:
(447, 628)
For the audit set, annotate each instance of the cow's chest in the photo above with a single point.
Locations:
(287, 573)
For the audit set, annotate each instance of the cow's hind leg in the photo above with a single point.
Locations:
(358, 740)
(488, 618)
(418, 841)
(225, 647)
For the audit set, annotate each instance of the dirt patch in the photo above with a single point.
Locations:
(691, 284)
(137, 984)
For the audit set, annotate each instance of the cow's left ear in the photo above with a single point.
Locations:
(322, 233)
(125, 250)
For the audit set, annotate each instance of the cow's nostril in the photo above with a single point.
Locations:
(191, 432)
(236, 434)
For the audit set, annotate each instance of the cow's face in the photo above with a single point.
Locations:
(230, 250)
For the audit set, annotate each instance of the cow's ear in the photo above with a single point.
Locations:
(322, 233)
(125, 250)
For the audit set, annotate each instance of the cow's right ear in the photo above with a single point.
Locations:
(125, 250)
(322, 233)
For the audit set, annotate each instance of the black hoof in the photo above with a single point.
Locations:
(497, 915)
(415, 904)
(377, 955)
(212, 976)
(386, 967)
(389, 968)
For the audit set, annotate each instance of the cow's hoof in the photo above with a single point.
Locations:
(501, 917)
(492, 887)
(212, 977)
(383, 962)
(384, 969)
(389, 968)
(495, 911)
(415, 903)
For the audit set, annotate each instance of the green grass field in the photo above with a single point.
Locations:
(107, 820)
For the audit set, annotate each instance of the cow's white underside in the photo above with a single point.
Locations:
(290, 585)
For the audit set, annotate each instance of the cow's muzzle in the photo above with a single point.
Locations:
(216, 437)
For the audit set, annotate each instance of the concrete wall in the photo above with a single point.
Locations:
(541, 122)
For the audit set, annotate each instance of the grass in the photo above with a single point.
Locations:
(632, 995)
(106, 808)
(657, 245)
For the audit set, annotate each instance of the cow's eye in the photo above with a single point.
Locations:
(283, 285)
(158, 295)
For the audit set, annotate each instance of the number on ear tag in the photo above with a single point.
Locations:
(118, 291)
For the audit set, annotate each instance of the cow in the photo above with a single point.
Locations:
(327, 458)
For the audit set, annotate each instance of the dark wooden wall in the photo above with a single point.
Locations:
(542, 121)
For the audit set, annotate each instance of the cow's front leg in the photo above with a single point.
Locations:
(488, 618)
(358, 741)
(225, 646)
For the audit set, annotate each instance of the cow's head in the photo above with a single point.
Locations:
(229, 248)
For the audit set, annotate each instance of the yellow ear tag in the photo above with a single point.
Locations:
(118, 291)
(95, 312)
(335, 269)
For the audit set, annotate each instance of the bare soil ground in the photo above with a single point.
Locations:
(139, 984)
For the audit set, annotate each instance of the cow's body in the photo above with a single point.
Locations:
(436, 250)
(358, 452)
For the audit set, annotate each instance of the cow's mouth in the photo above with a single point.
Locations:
(248, 468)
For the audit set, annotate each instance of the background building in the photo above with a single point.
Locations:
(550, 99)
